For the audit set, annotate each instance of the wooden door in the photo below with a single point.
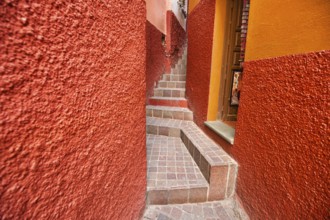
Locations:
(231, 62)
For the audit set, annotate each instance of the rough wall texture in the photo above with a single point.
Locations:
(200, 39)
(72, 97)
(156, 58)
(175, 38)
(281, 141)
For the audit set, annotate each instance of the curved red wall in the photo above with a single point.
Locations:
(72, 100)
(281, 137)
(156, 58)
(200, 40)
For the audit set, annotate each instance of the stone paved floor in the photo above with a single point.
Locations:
(170, 164)
(220, 210)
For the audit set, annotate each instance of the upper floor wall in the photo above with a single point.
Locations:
(156, 13)
(291, 27)
(174, 6)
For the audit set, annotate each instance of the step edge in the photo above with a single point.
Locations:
(168, 98)
(169, 108)
(166, 88)
(191, 123)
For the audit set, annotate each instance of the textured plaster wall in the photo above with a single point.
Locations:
(175, 38)
(156, 58)
(281, 140)
(200, 41)
(72, 100)
(278, 28)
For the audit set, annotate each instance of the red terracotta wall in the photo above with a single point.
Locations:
(175, 39)
(156, 58)
(72, 100)
(200, 40)
(281, 139)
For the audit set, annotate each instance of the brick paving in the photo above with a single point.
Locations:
(220, 210)
(212, 152)
(170, 165)
(217, 167)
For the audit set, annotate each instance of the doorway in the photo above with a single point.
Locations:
(231, 70)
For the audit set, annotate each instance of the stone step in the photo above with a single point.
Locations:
(182, 62)
(178, 70)
(171, 84)
(174, 77)
(230, 209)
(168, 101)
(218, 168)
(169, 112)
(170, 92)
(173, 176)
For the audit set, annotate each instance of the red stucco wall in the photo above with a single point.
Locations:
(200, 39)
(72, 139)
(156, 58)
(175, 38)
(281, 140)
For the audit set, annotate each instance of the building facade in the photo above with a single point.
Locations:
(280, 134)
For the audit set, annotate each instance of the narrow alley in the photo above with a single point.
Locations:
(188, 175)
(164, 109)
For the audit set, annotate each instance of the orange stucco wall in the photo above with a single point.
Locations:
(72, 109)
(278, 28)
(217, 58)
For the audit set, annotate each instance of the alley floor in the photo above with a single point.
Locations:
(220, 210)
(171, 167)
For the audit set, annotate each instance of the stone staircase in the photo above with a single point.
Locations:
(171, 89)
(189, 176)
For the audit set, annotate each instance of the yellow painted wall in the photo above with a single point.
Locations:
(217, 55)
(192, 4)
(278, 28)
